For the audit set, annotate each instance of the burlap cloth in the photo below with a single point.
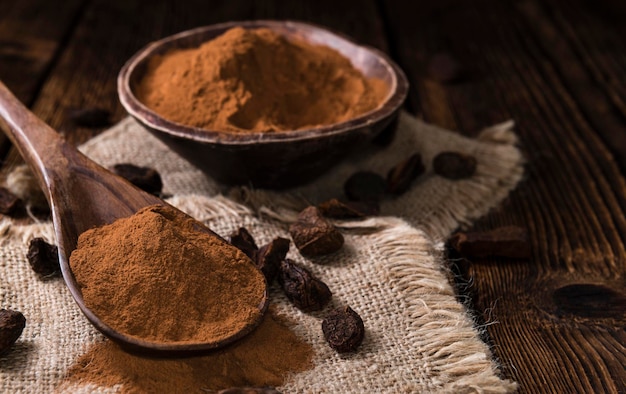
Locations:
(419, 338)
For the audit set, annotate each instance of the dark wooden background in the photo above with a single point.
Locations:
(557, 67)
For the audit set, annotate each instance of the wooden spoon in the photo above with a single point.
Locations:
(83, 195)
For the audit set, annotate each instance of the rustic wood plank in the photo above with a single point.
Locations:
(31, 35)
(573, 199)
(565, 38)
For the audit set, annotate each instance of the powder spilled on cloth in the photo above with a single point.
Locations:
(266, 357)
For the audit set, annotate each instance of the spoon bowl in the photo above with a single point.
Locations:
(83, 195)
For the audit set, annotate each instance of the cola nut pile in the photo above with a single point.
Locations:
(303, 289)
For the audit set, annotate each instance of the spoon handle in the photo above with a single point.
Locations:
(40, 146)
(81, 193)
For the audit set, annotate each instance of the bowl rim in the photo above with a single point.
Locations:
(153, 120)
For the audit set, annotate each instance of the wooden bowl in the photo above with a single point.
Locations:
(268, 160)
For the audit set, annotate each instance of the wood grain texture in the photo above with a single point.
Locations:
(557, 67)
(556, 321)
(32, 34)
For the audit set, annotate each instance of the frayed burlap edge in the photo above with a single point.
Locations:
(459, 355)
(461, 362)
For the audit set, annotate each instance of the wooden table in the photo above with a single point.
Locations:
(557, 67)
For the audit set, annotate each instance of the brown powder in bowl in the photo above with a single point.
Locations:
(264, 358)
(257, 81)
(158, 276)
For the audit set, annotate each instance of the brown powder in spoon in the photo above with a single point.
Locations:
(158, 276)
(264, 358)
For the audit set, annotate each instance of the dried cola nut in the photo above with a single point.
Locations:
(343, 330)
(243, 240)
(454, 165)
(337, 209)
(507, 241)
(399, 178)
(365, 186)
(8, 201)
(89, 117)
(249, 390)
(12, 324)
(313, 235)
(444, 67)
(304, 290)
(43, 257)
(145, 178)
(268, 257)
